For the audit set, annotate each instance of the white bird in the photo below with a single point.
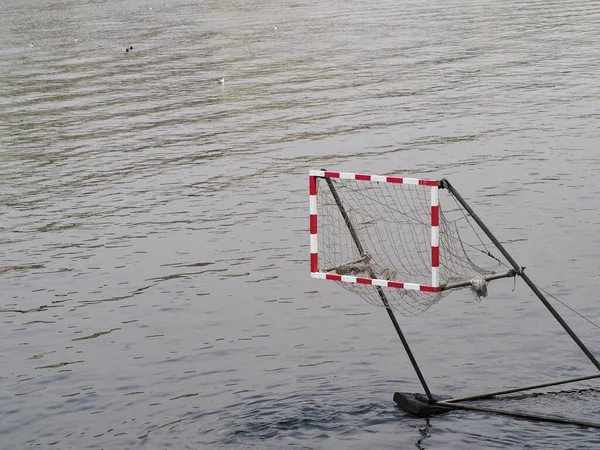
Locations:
(221, 80)
(31, 45)
(275, 28)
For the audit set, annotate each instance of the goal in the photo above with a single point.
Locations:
(389, 232)
(387, 239)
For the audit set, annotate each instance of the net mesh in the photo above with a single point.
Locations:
(393, 224)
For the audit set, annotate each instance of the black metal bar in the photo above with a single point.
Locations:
(446, 184)
(413, 361)
(521, 415)
(520, 389)
(380, 292)
(509, 273)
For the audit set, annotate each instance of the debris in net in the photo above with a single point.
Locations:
(363, 268)
(358, 267)
(387, 274)
(351, 269)
(479, 287)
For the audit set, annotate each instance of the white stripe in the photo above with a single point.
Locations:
(347, 176)
(316, 173)
(375, 282)
(313, 204)
(314, 243)
(435, 196)
(379, 178)
(410, 180)
(435, 236)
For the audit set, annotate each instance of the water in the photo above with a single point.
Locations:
(154, 237)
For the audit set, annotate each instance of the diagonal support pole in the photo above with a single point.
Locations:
(519, 389)
(519, 270)
(520, 415)
(380, 292)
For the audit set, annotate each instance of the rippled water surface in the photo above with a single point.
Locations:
(154, 285)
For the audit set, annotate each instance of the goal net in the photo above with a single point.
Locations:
(388, 235)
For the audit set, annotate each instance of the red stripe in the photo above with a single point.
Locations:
(435, 256)
(429, 288)
(313, 224)
(364, 280)
(333, 276)
(312, 185)
(331, 174)
(435, 216)
(394, 180)
(314, 262)
(395, 284)
(429, 183)
(362, 177)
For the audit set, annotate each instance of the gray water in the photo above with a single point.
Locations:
(154, 223)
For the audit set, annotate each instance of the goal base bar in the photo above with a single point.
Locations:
(418, 405)
(511, 273)
(375, 282)
(508, 274)
(523, 415)
(520, 389)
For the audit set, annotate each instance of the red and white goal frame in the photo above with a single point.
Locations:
(433, 185)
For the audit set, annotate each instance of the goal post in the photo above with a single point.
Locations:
(389, 232)
(340, 271)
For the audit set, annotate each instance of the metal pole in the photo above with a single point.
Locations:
(413, 361)
(446, 184)
(522, 415)
(521, 389)
(508, 273)
(382, 296)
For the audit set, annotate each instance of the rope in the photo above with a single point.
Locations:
(466, 219)
(480, 289)
(567, 306)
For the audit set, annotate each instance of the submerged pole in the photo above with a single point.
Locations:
(521, 415)
(520, 271)
(380, 292)
(519, 389)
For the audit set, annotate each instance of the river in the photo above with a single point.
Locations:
(154, 259)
